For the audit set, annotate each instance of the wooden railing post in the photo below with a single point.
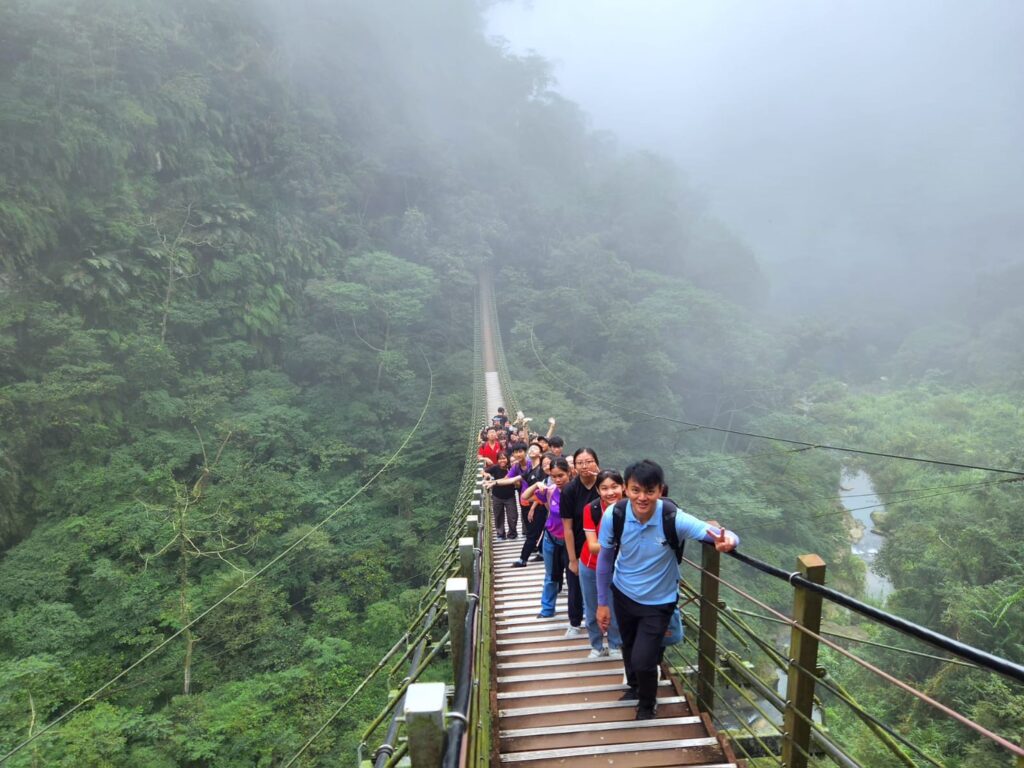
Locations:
(467, 551)
(457, 594)
(707, 642)
(803, 655)
(424, 723)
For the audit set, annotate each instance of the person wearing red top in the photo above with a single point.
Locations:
(609, 489)
(492, 448)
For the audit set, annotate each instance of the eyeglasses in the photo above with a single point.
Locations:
(585, 463)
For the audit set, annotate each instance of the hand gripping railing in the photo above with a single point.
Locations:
(787, 728)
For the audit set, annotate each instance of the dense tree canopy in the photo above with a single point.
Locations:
(237, 237)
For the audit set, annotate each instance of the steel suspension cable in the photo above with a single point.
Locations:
(774, 438)
(982, 658)
(795, 578)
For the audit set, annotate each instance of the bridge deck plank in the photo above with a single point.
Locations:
(558, 707)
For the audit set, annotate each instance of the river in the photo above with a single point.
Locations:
(857, 493)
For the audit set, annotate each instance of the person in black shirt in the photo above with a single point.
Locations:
(500, 418)
(575, 496)
(503, 498)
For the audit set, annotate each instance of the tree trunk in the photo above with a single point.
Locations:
(383, 357)
(168, 294)
(183, 600)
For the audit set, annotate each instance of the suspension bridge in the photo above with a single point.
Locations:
(521, 693)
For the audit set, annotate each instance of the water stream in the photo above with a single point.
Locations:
(857, 493)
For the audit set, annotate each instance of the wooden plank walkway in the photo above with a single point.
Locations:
(556, 707)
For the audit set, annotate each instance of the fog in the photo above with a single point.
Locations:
(869, 153)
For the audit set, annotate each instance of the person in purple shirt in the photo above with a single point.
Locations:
(555, 555)
(514, 476)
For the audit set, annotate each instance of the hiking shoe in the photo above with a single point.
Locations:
(631, 694)
(573, 631)
(512, 535)
(543, 615)
(597, 653)
(614, 653)
(647, 713)
(518, 564)
(538, 558)
(501, 537)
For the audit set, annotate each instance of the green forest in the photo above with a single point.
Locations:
(240, 245)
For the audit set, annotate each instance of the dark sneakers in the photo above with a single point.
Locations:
(631, 694)
(518, 564)
(647, 713)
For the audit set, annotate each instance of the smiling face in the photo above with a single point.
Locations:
(643, 499)
(533, 453)
(609, 490)
(503, 461)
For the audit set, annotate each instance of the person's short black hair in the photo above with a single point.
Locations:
(542, 439)
(517, 446)
(609, 474)
(500, 409)
(647, 474)
(555, 441)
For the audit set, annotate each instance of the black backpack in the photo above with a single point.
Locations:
(668, 524)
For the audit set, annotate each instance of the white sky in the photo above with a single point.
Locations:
(820, 131)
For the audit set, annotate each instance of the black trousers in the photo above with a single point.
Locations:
(504, 509)
(532, 531)
(574, 600)
(643, 628)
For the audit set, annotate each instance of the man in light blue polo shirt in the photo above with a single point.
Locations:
(645, 583)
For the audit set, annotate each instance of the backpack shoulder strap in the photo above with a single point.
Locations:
(595, 511)
(668, 524)
(618, 523)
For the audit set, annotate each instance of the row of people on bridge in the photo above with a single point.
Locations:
(621, 577)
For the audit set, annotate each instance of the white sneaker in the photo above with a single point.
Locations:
(597, 653)
(573, 631)
(614, 653)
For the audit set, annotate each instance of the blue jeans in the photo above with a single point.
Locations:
(588, 581)
(555, 557)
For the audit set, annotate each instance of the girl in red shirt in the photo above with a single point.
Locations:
(609, 488)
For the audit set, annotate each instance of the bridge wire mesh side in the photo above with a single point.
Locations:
(738, 675)
(433, 607)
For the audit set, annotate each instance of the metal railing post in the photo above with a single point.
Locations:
(424, 723)
(707, 642)
(803, 655)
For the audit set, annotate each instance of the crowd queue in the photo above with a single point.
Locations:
(611, 539)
